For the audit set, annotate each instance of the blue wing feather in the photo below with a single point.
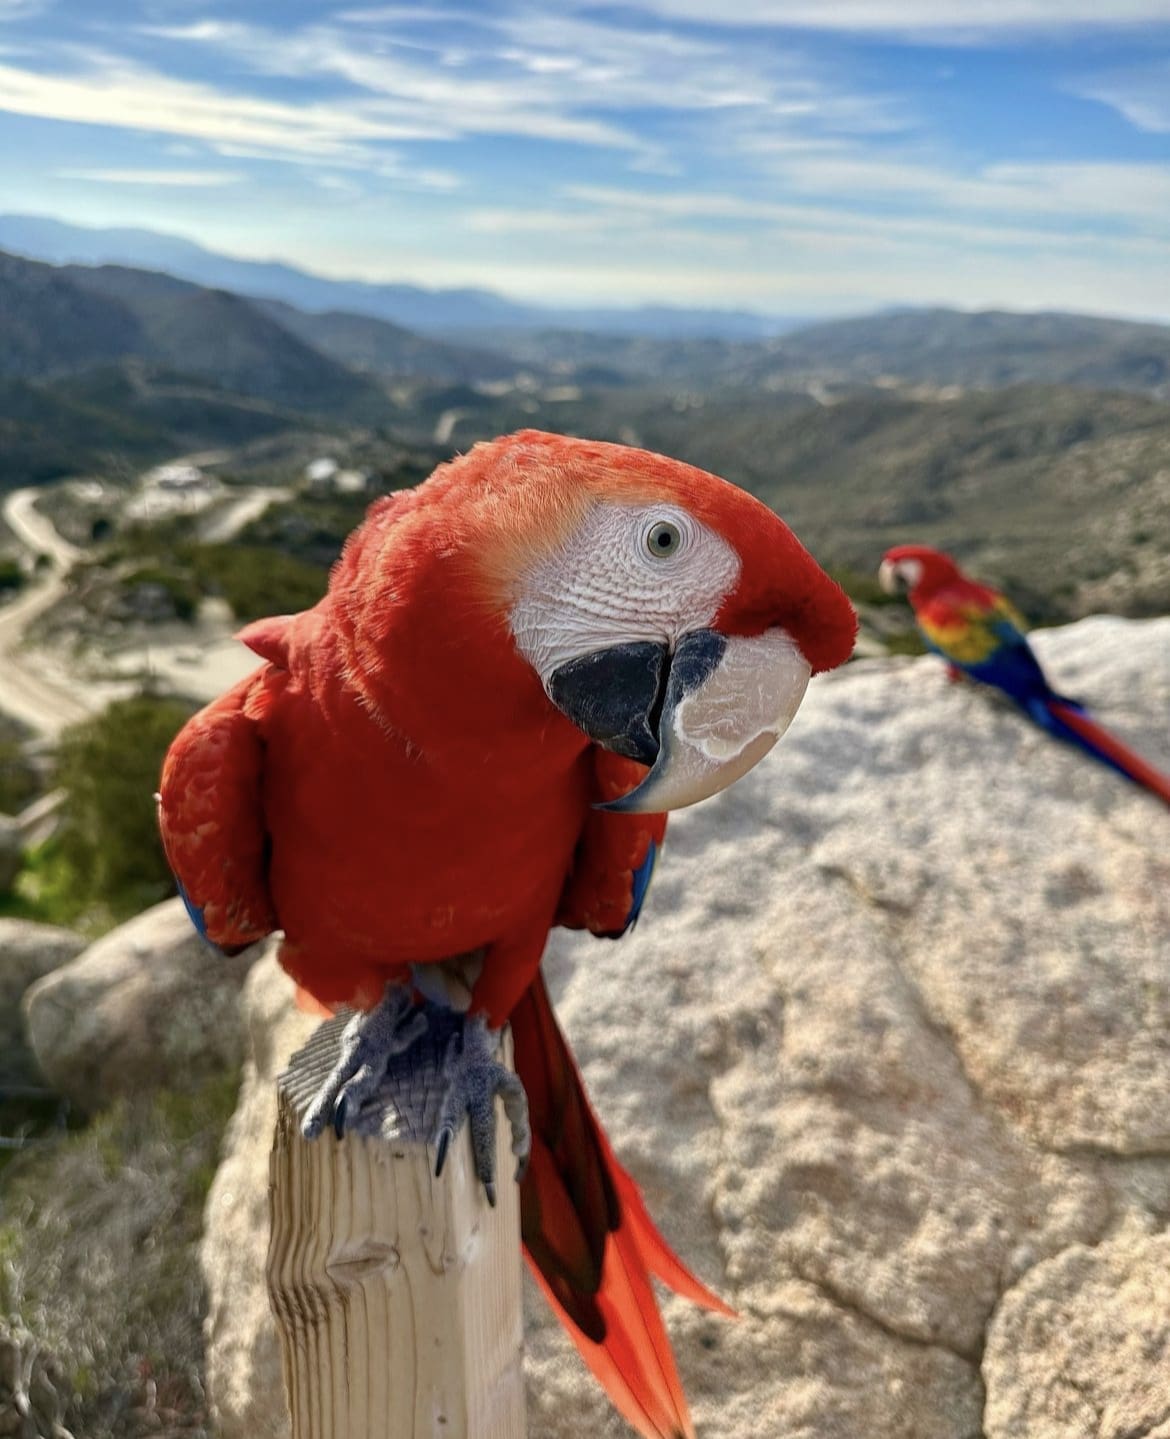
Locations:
(641, 883)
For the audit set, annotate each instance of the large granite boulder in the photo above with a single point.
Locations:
(888, 1051)
(27, 952)
(1080, 1348)
(148, 1005)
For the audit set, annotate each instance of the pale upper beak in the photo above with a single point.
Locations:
(890, 578)
(701, 715)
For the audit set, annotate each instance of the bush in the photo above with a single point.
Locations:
(155, 591)
(257, 582)
(108, 852)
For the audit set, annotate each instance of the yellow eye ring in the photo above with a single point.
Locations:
(663, 539)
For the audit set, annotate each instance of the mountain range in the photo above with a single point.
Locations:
(431, 311)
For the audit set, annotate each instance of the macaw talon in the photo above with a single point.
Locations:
(369, 1042)
(475, 1077)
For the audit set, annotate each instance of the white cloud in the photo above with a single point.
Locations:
(412, 95)
(1141, 94)
(108, 90)
(1039, 196)
(922, 16)
(196, 179)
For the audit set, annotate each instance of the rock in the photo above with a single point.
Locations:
(1081, 1346)
(243, 1353)
(27, 951)
(11, 852)
(148, 1005)
(891, 1035)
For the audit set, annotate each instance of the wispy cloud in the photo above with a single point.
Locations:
(105, 89)
(190, 179)
(758, 149)
(922, 16)
(1140, 93)
(20, 9)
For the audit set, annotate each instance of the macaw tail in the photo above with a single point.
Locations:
(1072, 723)
(589, 1239)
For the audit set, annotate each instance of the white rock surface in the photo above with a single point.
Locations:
(149, 1004)
(27, 951)
(893, 1034)
(1081, 1348)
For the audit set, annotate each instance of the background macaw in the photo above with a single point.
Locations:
(978, 631)
(518, 667)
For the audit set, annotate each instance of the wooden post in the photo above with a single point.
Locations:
(397, 1295)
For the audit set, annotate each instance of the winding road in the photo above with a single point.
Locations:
(43, 702)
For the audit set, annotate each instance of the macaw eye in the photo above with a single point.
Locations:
(663, 539)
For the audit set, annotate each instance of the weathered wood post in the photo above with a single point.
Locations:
(396, 1294)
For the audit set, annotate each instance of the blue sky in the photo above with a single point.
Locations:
(796, 156)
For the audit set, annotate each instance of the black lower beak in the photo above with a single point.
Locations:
(615, 696)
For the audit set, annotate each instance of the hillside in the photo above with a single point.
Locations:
(433, 311)
(1057, 492)
(933, 349)
(988, 349)
(51, 325)
(365, 343)
(217, 336)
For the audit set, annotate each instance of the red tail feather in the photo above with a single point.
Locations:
(1109, 747)
(589, 1239)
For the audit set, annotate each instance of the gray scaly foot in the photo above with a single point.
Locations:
(369, 1043)
(475, 1076)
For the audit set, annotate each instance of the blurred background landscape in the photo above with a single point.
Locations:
(901, 271)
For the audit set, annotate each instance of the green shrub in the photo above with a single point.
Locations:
(255, 581)
(108, 852)
(182, 595)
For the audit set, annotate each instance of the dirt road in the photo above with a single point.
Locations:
(44, 702)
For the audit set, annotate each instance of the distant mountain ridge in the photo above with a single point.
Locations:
(430, 311)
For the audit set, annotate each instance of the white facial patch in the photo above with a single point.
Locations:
(891, 572)
(609, 584)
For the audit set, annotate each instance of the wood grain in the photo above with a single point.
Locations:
(397, 1295)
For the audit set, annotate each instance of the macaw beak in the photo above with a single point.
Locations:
(890, 578)
(700, 716)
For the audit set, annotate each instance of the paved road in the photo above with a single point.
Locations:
(41, 701)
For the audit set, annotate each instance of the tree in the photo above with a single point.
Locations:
(109, 768)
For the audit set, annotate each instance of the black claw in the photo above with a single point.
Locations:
(339, 1112)
(489, 1188)
(521, 1170)
(441, 1151)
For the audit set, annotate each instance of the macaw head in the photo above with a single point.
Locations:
(669, 615)
(916, 570)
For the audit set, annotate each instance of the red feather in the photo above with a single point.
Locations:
(589, 1239)
(395, 788)
(1096, 737)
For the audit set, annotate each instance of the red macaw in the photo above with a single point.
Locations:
(980, 633)
(518, 667)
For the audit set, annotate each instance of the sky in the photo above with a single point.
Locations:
(797, 157)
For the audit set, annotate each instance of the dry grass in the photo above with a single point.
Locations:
(98, 1260)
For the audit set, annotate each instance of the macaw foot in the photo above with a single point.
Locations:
(369, 1042)
(474, 1077)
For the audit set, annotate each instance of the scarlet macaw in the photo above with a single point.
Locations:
(980, 633)
(518, 667)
